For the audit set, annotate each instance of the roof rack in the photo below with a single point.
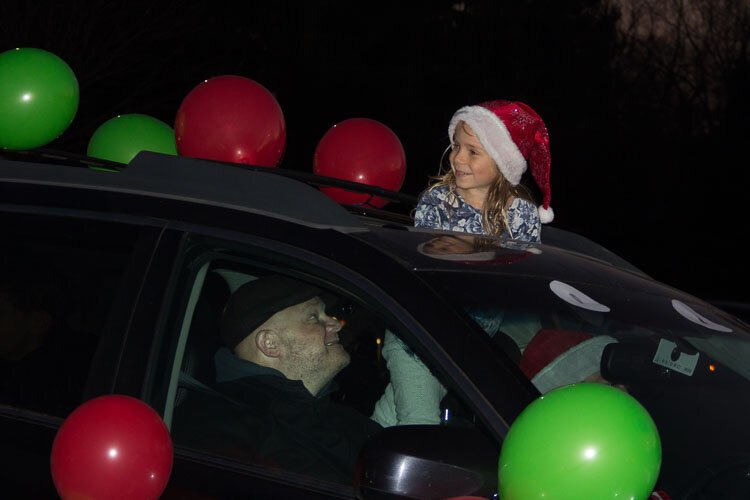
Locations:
(52, 156)
(274, 192)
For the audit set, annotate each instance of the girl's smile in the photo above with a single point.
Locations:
(474, 169)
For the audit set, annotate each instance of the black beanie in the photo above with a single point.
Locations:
(255, 302)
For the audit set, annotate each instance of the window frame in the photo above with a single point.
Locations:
(307, 263)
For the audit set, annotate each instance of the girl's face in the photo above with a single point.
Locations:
(473, 167)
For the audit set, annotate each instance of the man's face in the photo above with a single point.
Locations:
(310, 343)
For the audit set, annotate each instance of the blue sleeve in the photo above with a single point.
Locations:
(524, 222)
(427, 213)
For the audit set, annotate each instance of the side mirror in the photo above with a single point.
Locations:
(427, 461)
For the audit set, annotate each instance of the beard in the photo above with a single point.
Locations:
(314, 366)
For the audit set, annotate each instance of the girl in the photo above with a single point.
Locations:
(492, 145)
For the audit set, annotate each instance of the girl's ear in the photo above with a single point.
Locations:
(267, 342)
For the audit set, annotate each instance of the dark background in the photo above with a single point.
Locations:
(645, 110)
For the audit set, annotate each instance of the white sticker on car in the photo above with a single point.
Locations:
(575, 297)
(684, 363)
(688, 313)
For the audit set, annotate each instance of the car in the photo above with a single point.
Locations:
(132, 265)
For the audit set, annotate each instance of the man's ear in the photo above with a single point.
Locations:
(267, 342)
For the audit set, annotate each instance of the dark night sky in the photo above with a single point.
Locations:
(630, 168)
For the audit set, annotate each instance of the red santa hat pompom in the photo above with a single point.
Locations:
(515, 136)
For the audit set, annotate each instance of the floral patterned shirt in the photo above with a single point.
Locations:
(435, 211)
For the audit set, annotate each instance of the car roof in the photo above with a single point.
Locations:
(273, 192)
(193, 180)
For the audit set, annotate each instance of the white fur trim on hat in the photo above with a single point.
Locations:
(495, 138)
(574, 365)
(546, 215)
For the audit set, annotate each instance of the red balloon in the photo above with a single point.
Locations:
(361, 150)
(112, 447)
(231, 118)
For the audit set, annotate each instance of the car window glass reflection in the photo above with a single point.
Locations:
(57, 282)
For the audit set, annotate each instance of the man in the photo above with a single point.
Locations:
(280, 354)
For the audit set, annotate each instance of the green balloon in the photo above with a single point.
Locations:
(122, 137)
(581, 441)
(38, 98)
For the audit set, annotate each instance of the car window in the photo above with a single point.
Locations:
(58, 279)
(683, 359)
(224, 406)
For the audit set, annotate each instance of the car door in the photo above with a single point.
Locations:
(69, 283)
(213, 263)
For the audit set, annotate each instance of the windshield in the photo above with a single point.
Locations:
(687, 362)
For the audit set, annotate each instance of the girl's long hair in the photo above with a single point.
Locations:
(500, 195)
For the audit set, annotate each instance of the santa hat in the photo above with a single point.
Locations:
(515, 137)
(555, 358)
